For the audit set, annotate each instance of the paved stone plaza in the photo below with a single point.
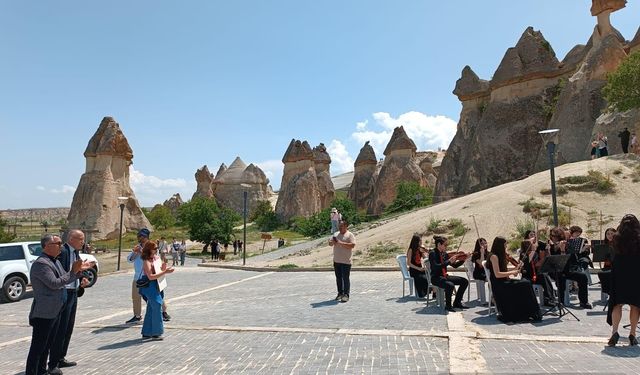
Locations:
(231, 321)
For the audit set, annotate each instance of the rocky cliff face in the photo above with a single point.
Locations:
(231, 182)
(497, 138)
(364, 177)
(95, 207)
(174, 203)
(400, 164)
(299, 191)
(322, 162)
(204, 181)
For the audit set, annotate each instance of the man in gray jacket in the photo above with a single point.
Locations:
(48, 279)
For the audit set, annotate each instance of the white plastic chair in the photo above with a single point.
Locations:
(488, 272)
(406, 277)
(468, 265)
(440, 298)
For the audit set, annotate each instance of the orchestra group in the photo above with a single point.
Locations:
(511, 280)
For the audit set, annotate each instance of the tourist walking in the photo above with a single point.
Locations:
(335, 219)
(68, 255)
(624, 140)
(625, 278)
(163, 249)
(48, 280)
(175, 250)
(235, 247)
(154, 269)
(183, 251)
(602, 145)
(343, 243)
(635, 148)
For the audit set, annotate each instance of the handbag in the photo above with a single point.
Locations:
(143, 281)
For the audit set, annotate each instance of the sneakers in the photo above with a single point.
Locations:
(135, 319)
(345, 298)
(64, 363)
(166, 317)
(586, 306)
(157, 338)
(145, 337)
(338, 297)
(55, 371)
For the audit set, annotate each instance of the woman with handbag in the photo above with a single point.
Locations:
(153, 268)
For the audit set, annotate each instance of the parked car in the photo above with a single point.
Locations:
(15, 265)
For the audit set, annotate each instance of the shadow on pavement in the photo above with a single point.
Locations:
(331, 302)
(622, 351)
(116, 328)
(123, 344)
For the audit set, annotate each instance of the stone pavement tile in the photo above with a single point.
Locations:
(10, 332)
(509, 357)
(592, 322)
(213, 352)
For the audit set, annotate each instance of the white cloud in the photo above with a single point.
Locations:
(341, 161)
(40, 187)
(428, 132)
(151, 190)
(66, 189)
(273, 170)
(360, 126)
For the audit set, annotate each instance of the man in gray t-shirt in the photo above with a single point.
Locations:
(343, 243)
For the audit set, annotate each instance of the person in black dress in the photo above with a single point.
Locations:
(478, 256)
(625, 278)
(414, 264)
(515, 300)
(439, 260)
(604, 275)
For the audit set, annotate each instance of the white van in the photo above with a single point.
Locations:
(15, 264)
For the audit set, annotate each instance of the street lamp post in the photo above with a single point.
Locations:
(122, 201)
(550, 138)
(244, 217)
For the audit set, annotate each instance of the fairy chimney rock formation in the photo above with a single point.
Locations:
(95, 207)
(322, 162)
(232, 182)
(364, 177)
(299, 192)
(174, 203)
(204, 181)
(399, 166)
(529, 92)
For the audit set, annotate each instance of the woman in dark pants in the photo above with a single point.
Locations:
(414, 264)
(439, 260)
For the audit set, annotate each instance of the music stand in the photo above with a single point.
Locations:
(556, 264)
(600, 252)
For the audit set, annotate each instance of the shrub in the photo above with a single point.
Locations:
(264, 217)
(621, 91)
(530, 205)
(409, 195)
(560, 190)
(522, 226)
(456, 227)
(287, 266)
(434, 225)
(160, 217)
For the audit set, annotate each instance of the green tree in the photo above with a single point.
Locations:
(409, 195)
(5, 236)
(160, 217)
(622, 90)
(320, 223)
(264, 217)
(207, 221)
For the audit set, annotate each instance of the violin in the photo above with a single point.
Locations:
(513, 262)
(460, 255)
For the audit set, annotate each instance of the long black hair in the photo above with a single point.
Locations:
(627, 238)
(414, 245)
(499, 249)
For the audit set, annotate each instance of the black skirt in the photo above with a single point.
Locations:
(515, 300)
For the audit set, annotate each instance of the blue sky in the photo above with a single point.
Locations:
(201, 82)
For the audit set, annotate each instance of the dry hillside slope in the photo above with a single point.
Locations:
(497, 210)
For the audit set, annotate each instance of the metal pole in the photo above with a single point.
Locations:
(551, 150)
(244, 237)
(120, 237)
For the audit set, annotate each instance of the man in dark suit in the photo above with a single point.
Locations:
(48, 279)
(68, 254)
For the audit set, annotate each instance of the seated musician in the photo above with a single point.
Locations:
(558, 245)
(415, 253)
(605, 273)
(478, 256)
(532, 259)
(515, 300)
(580, 247)
(439, 260)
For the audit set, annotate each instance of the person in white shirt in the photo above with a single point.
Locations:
(343, 243)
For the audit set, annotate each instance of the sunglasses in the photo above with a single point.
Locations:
(59, 243)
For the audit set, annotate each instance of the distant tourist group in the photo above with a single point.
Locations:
(628, 141)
